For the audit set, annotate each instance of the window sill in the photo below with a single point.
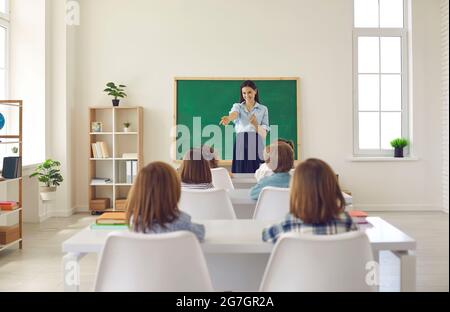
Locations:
(28, 169)
(383, 159)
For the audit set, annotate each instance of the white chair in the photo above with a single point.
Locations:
(221, 179)
(273, 204)
(305, 262)
(135, 262)
(212, 204)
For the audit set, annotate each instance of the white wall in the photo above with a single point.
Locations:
(444, 72)
(145, 44)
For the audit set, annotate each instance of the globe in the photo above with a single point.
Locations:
(2, 121)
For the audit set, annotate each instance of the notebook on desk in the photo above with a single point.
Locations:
(358, 216)
(112, 218)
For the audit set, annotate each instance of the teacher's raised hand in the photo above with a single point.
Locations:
(254, 121)
(225, 120)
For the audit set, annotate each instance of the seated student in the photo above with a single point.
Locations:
(316, 206)
(264, 170)
(211, 156)
(195, 172)
(152, 205)
(281, 161)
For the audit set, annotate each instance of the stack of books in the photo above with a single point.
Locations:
(100, 150)
(110, 220)
(8, 205)
(359, 217)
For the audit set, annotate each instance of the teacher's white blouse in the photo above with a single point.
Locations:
(242, 123)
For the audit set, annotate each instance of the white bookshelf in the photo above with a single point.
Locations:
(118, 142)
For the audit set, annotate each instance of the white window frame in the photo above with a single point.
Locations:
(382, 32)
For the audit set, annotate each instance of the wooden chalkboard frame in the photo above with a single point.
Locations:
(228, 162)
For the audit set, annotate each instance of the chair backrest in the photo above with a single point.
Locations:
(306, 262)
(211, 204)
(221, 179)
(135, 262)
(273, 204)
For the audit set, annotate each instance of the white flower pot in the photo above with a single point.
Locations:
(126, 129)
(48, 193)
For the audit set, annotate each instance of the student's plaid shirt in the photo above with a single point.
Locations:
(292, 224)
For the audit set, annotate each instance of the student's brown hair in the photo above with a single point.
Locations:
(154, 197)
(210, 155)
(288, 142)
(281, 157)
(315, 193)
(195, 168)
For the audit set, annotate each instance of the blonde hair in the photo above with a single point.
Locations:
(154, 197)
(315, 193)
(195, 168)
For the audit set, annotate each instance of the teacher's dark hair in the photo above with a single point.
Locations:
(251, 84)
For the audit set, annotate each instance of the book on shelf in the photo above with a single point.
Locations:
(129, 172)
(100, 150)
(104, 148)
(358, 216)
(112, 218)
(12, 167)
(9, 205)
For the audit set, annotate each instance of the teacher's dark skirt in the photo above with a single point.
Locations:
(248, 152)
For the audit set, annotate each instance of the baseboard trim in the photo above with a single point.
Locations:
(61, 213)
(402, 207)
(81, 209)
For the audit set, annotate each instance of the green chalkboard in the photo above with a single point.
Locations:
(200, 103)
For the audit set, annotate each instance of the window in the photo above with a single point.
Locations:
(4, 45)
(380, 75)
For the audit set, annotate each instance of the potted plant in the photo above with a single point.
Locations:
(15, 150)
(126, 126)
(49, 174)
(115, 91)
(399, 144)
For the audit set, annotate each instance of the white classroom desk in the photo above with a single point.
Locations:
(243, 205)
(237, 257)
(243, 180)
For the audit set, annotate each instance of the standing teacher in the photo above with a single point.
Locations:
(251, 123)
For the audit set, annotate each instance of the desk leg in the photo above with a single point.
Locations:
(71, 269)
(407, 270)
(376, 258)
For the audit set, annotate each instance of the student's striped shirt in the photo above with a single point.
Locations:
(199, 186)
(342, 224)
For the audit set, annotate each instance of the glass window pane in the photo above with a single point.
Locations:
(391, 55)
(2, 47)
(391, 92)
(3, 6)
(368, 55)
(391, 13)
(366, 13)
(369, 131)
(391, 128)
(369, 92)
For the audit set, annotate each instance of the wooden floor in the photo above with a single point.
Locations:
(38, 267)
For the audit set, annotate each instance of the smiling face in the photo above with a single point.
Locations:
(249, 94)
